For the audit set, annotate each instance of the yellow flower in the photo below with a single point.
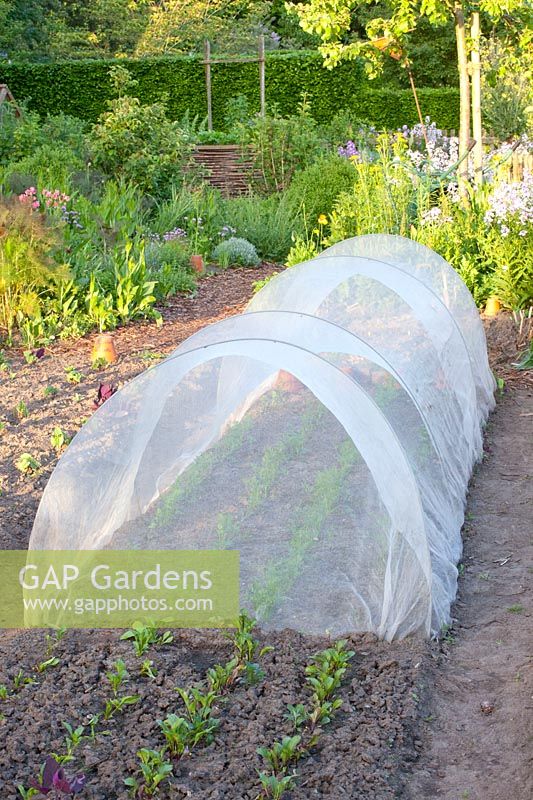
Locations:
(322, 220)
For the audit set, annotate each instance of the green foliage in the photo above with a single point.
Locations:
(314, 190)
(492, 257)
(385, 196)
(27, 270)
(265, 222)
(235, 252)
(82, 89)
(507, 73)
(139, 143)
(279, 146)
(153, 770)
(169, 264)
(144, 636)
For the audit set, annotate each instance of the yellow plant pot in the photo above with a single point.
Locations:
(492, 307)
(104, 348)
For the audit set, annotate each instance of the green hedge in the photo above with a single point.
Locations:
(81, 88)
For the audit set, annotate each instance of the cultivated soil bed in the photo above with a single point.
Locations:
(381, 743)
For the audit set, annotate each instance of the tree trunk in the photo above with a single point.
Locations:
(477, 127)
(464, 99)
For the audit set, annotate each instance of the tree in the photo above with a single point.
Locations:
(331, 20)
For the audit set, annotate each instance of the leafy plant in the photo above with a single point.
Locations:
(22, 410)
(21, 680)
(275, 787)
(118, 677)
(27, 269)
(74, 736)
(280, 146)
(73, 375)
(182, 734)
(222, 676)
(53, 661)
(27, 464)
(133, 293)
(54, 779)
(144, 636)
(118, 704)
(148, 670)
(297, 715)
(138, 142)
(153, 768)
(59, 439)
(282, 753)
(246, 647)
(235, 252)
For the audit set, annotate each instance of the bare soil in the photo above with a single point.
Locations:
(448, 719)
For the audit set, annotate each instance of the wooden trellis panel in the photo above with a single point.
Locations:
(7, 97)
(225, 167)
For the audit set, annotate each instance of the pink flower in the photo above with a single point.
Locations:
(35, 204)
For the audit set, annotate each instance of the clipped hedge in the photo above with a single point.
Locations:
(81, 88)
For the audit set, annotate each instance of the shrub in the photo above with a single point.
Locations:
(21, 136)
(48, 165)
(279, 147)
(168, 261)
(139, 144)
(507, 88)
(27, 270)
(314, 190)
(385, 196)
(236, 251)
(266, 222)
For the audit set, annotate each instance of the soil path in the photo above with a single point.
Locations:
(479, 723)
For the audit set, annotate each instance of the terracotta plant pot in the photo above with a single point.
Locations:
(492, 307)
(197, 263)
(104, 348)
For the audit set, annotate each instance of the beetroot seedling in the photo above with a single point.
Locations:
(222, 676)
(118, 704)
(154, 769)
(148, 670)
(74, 736)
(27, 793)
(182, 734)
(4, 694)
(59, 439)
(274, 787)
(47, 663)
(297, 715)
(197, 703)
(246, 648)
(144, 636)
(119, 677)
(73, 375)
(21, 680)
(21, 410)
(282, 754)
(27, 464)
(53, 639)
